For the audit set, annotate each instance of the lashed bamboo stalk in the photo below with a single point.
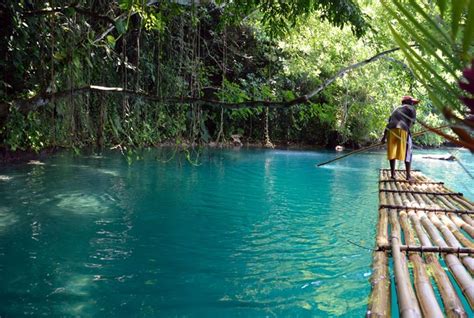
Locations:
(461, 275)
(430, 249)
(449, 236)
(454, 202)
(464, 222)
(407, 302)
(466, 218)
(452, 226)
(442, 201)
(423, 286)
(451, 241)
(455, 230)
(452, 304)
(379, 301)
(424, 290)
(460, 222)
(465, 204)
(461, 201)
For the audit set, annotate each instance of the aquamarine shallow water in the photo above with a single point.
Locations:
(247, 233)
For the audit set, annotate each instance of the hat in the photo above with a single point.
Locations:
(410, 99)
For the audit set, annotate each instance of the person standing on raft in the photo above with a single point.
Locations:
(399, 142)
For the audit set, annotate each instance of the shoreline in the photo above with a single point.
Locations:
(20, 156)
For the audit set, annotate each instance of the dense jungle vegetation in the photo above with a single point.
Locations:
(136, 73)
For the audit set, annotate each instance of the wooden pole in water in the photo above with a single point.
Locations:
(379, 300)
(424, 291)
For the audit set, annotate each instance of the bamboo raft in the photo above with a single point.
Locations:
(423, 228)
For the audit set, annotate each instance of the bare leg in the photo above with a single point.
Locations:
(392, 168)
(408, 169)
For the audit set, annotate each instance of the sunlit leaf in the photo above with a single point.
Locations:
(125, 4)
(418, 26)
(431, 21)
(111, 40)
(468, 30)
(120, 25)
(456, 12)
(427, 46)
(441, 6)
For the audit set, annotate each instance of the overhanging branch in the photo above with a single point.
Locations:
(75, 7)
(27, 105)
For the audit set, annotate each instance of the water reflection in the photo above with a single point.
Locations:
(246, 233)
(81, 203)
(7, 219)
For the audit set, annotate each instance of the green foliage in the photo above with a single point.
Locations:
(444, 44)
(24, 132)
(169, 49)
(279, 17)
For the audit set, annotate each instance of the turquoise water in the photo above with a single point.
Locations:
(246, 233)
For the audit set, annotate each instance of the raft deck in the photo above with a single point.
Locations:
(427, 231)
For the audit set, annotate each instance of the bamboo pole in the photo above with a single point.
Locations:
(424, 290)
(452, 304)
(450, 237)
(461, 201)
(461, 223)
(429, 249)
(449, 229)
(379, 300)
(407, 303)
(455, 230)
(461, 275)
(465, 204)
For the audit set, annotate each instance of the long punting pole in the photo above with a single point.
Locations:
(372, 147)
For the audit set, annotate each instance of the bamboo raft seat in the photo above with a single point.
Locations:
(427, 232)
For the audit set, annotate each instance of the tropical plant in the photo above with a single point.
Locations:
(439, 47)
